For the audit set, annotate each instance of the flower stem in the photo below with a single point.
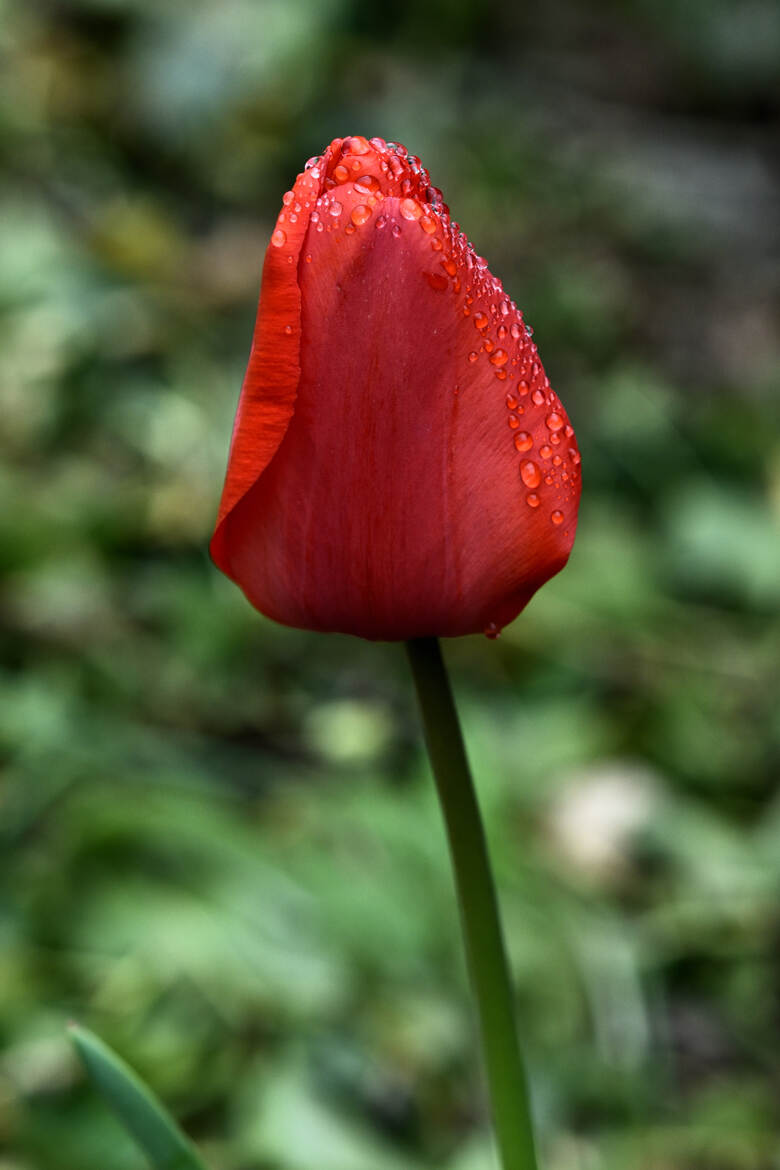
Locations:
(478, 907)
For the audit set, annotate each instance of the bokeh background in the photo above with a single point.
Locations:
(220, 845)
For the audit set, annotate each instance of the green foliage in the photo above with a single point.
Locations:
(142, 1115)
(219, 844)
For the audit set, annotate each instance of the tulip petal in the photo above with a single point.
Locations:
(270, 385)
(428, 479)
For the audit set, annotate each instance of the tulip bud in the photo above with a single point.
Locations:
(400, 466)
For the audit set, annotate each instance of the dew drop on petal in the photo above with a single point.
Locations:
(491, 630)
(480, 321)
(381, 221)
(529, 474)
(367, 185)
(437, 281)
(473, 355)
(522, 387)
(288, 329)
(335, 208)
(340, 173)
(279, 238)
(428, 224)
(523, 441)
(545, 451)
(511, 401)
(513, 421)
(360, 214)
(532, 500)
(499, 358)
(554, 421)
(538, 397)
(410, 209)
(396, 230)
(557, 517)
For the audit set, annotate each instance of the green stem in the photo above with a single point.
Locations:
(478, 907)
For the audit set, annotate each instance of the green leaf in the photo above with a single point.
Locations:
(143, 1116)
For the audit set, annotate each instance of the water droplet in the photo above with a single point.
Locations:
(532, 500)
(381, 221)
(279, 238)
(357, 145)
(437, 245)
(366, 185)
(396, 230)
(545, 451)
(491, 630)
(523, 441)
(340, 173)
(538, 397)
(428, 224)
(308, 257)
(499, 358)
(449, 267)
(575, 455)
(569, 431)
(513, 421)
(501, 332)
(360, 214)
(522, 387)
(437, 281)
(511, 401)
(554, 421)
(350, 229)
(529, 473)
(288, 329)
(501, 375)
(488, 345)
(480, 321)
(557, 461)
(473, 355)
(514, 329)
(557, 517)
(287, 198)
(410, 209)
(335, 208)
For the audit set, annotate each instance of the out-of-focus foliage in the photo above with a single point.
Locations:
(220, 846)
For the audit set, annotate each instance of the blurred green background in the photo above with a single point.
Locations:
(220, 844)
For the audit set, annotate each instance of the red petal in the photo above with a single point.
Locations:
(271, 382)
(426, 483)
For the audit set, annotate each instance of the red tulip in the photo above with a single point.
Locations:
(400, 466)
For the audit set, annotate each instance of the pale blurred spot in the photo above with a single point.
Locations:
(348, 731)
(594, 820)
